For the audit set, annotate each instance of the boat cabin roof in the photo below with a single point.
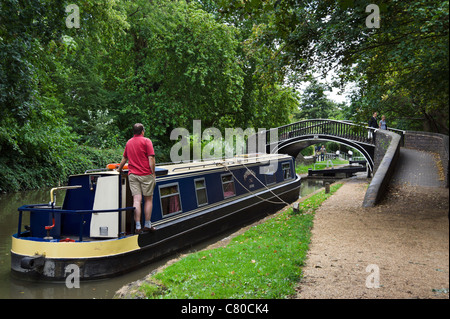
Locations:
(228, 162)
(238, 160)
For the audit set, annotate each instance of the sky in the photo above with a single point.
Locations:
(336, 96)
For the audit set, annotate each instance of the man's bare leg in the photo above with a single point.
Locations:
(137, 200)
(148, 208)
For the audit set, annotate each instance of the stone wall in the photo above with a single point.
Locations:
(430, 142)
(382, 142)
(387, 150)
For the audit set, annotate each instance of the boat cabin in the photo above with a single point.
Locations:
(180, 189)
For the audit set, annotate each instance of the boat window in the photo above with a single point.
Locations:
(286, 170)
(200, 190)
(170, 199)
(228, 186)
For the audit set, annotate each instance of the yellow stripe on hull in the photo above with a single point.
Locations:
(90, 249)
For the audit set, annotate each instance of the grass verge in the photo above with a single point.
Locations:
(263, 262)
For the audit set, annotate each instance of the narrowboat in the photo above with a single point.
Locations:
(94, 227)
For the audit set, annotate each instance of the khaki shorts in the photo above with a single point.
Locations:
(141, 185)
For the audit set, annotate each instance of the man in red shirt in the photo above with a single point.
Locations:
(141, 174)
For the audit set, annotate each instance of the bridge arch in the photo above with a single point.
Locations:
(294, 146)
(292, 138)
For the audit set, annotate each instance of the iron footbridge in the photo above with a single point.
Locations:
(292, 138)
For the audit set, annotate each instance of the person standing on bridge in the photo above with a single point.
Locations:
(317, 149)
(373, 120)
(323, 151)
(383, 124)
(373, 123)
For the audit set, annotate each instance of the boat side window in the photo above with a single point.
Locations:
(286, 170)
(228, 186)
(200, 191)
(170, 199)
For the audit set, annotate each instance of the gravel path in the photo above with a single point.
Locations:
(404, 242)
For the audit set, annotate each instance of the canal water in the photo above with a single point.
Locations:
(13, 288)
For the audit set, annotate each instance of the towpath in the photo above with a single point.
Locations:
(404, 241)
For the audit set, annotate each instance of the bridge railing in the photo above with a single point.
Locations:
(344, 129)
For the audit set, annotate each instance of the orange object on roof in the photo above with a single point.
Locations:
(115, 166)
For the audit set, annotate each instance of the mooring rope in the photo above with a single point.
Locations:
(253, 174)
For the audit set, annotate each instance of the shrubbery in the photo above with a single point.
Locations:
(28, 173)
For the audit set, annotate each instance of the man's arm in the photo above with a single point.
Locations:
(122, 163)
(151, 160)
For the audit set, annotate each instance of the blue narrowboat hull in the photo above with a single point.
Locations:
(36, 258)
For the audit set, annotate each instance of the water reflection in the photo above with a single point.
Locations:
(310, 185)
(11, 287)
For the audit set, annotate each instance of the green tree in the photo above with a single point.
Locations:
(181, 66)
(37, 145)
(66, 90)
(405, 60)
(314, 104)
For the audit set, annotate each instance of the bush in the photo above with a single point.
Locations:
(53, 169)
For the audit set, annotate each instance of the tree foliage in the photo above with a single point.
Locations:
(162, 63)
(314, 104)
(400, 68)
(69, 94)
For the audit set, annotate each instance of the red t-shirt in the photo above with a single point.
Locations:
(137, 151)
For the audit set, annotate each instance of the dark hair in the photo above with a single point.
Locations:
(138, 128)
